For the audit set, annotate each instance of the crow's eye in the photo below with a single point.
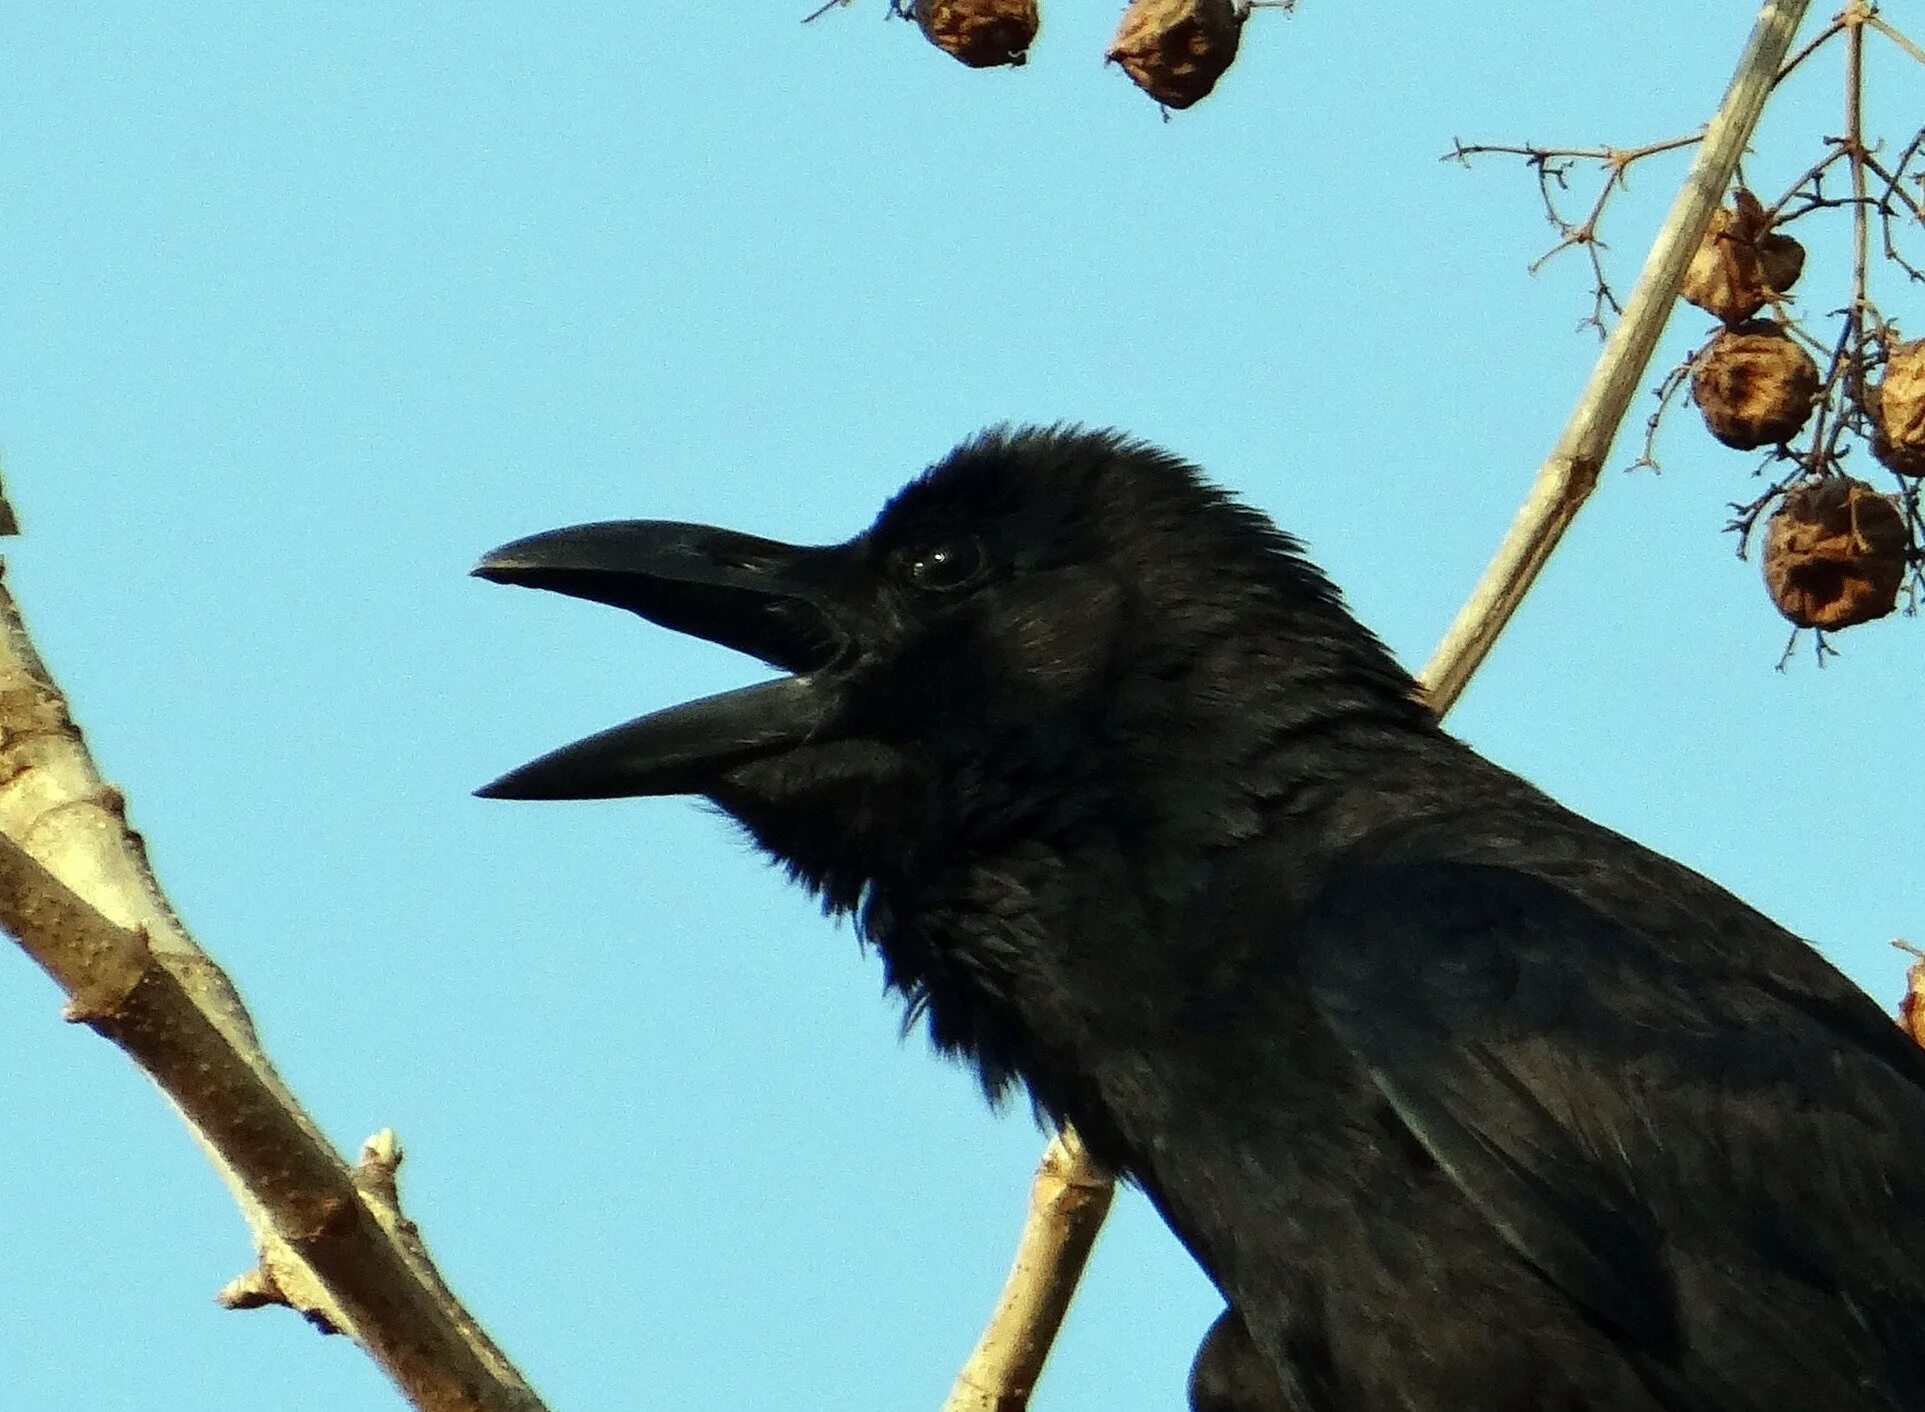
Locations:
(943, 568)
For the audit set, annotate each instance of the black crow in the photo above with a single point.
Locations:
(1466, 1103)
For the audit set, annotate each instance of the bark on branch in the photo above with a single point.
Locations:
(1052, 1252)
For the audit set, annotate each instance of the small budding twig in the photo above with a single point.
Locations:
(1029, 1311)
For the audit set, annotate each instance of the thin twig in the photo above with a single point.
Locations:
(1896, 37)
(1818, 41)
(1028, 1313)
(1616, 158)
(1813, 176)
(1854, 144)
(1552, 166)
(1674, 383)
(1893, 199)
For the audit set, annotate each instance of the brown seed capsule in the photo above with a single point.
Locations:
(1176, 50)
(1911, 1010)
(981, 33)
(1754, 385)
(1783, 260)
(1835, 553)
(1740, 265)
(1897, 407)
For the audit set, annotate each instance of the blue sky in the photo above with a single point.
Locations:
(305, 308)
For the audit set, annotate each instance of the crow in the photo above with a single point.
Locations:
(1465, 1103)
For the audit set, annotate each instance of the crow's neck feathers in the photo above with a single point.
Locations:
(1132, 683)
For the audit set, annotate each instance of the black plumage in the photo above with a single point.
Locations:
(1466, 1103)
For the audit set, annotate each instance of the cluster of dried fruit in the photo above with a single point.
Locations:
(1835, 550)
(1752, 382)
(1174, 50)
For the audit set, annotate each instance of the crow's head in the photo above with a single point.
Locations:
(1045, 616)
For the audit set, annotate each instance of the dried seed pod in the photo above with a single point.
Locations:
(1911, 1010)
(1835, 553)
(1783, 260)
(1754, 385)
(1176, 50)
(1897, 407)
(1740, 265)
(981, 33)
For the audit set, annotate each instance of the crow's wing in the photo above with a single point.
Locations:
(1725, 1170)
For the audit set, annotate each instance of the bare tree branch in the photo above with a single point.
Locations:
(1037, 1293)
(77, 892)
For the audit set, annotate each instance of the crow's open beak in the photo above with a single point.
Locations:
(754, 595)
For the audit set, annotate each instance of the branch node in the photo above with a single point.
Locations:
(375, 1172)
(255, 1289)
